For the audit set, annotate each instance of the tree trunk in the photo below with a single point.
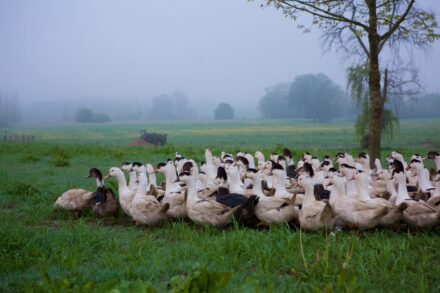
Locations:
(374, 85)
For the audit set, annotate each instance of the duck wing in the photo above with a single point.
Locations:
(212, 206)
(231, 200)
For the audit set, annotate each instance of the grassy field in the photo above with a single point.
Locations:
(46, 250)
(248, 133)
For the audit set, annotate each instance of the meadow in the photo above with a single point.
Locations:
(43, 250)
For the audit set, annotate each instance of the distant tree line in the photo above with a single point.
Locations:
(9, 109)
(426, 106)
(309, 96)
(318, 98)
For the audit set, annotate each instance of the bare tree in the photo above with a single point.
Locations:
(364, 29)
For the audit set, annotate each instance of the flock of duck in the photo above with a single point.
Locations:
(313, 194)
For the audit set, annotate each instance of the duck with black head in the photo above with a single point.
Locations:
(104, 202)
(435, 156)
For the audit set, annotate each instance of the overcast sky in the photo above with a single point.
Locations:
(227, 50)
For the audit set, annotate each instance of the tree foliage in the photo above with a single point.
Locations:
(171, 107)
(309, 96)
(274, 104)
(85, 115)
(315, 97)
(224, 111)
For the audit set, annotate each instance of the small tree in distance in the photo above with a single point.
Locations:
(224, 111)
(85, 115)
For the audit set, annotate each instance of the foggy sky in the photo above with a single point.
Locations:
(213, 51)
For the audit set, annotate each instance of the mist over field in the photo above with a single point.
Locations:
(114, 58)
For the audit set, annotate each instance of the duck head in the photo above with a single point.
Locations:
(139, 167)
(304, 180)
(95, 173)
(250, 173)
(150, 169)
(113, 172)
(432, 155)
(186, 177)
(127, 167)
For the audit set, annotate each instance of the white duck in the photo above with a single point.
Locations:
(234, 182)
(146, 209)
(418, 213)
(174, 195)
(394, 215)
(352, 212)
(126, 194)
(422, 176)
(314, 215)
(279, 181)
(205, 211)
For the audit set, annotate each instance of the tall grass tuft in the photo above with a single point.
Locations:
(61, 158)
(21, 188)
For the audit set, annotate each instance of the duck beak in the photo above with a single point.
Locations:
(176, 181)
(424, 158)
(108, 176)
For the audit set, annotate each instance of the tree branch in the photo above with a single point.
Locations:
(388, 34)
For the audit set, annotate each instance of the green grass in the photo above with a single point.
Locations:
(249, 133)
(43, 249)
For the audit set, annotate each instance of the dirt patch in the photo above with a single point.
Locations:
(140, 142)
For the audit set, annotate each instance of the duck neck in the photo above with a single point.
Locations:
(208, 182)
(192, 192)
(280, 187)
(132, 183)
(143, 184)
(309, 196)
(260, 160)
(423, 178)
(152, 179)
(350, 187)
(122, 183)
(437, 189)
(391, 188)
(339, 191)
(366, 165)
(251, 162)
(362, 189)
(402, 191)
(99, 182)
(256, 189)
(437, 163)
(170, 184)
(235, 182)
